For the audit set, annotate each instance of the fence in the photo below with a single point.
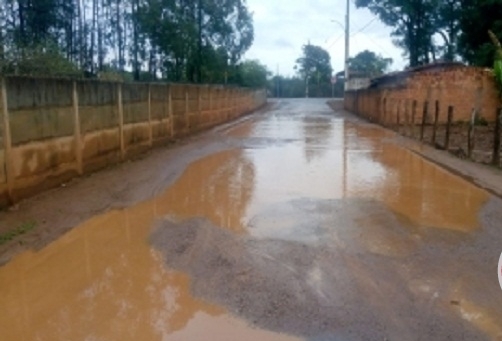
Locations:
(452, 107)
(52, 130)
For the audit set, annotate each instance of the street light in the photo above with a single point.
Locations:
(346, 27)
(347, 44)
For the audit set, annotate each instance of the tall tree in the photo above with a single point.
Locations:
(315, 67)
(182, 39)
(369, 63)
(414, 23)
(477, 17)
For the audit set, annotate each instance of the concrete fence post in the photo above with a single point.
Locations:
(384, 112)
(150, 127)
(406, 119)
(121, 120)
(77, 131)
(496, 138)
(398, 116)
(7, 143)
(187, 114)
(424, 120)
(413, 116)
(435, 127)
(448, 128)
(199, 106)
(170, 113)
(211, 103)
(471, 133)
(226, 105)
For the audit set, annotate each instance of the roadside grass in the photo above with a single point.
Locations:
(19, 231)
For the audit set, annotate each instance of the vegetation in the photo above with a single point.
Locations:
(314, 67)
(20, 230)
(497, 63)
(183, 40)
(294, 87)
(430, 30)
(369, 63)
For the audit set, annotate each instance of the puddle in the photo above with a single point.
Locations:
(355, 204)
(341, 160)
(102, 281)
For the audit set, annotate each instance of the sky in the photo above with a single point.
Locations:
(282, 27)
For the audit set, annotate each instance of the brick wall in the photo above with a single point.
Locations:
(391, 98)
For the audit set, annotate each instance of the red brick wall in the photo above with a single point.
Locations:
(464, 88)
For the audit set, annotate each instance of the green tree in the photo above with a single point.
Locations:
(448, 26)
(253, 74)
(314, 66)
(414, 23)
(369, 63)
(477, 17)
(188, 34)
(179, 40)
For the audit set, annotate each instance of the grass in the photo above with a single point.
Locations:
(19, 231)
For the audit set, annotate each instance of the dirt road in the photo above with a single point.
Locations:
(295, 223)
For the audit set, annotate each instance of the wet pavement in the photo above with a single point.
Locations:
(311, 225)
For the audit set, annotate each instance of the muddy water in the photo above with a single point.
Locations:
(304, 181)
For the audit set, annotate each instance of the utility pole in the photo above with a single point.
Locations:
(347, 43)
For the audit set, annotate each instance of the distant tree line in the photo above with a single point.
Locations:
(176, 40)
(431, 30)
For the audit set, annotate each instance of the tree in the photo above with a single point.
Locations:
(188, 34)
(477, 17)
(253, 74)
(448, 26)
(414, 22)
(180, 40)
(315, 67)
(369, 63)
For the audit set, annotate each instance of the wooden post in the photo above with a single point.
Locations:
(121, 120)
(496, 139)
(7, 143)
(436, 119)
(470, 134)
(77, 132)
(424, 120)
(448, 128)
(150, 128)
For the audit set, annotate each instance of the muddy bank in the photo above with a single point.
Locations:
(54, 212)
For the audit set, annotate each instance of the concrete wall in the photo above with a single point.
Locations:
(390, 99)
(52, 130)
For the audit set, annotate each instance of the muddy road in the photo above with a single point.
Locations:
(295, 223)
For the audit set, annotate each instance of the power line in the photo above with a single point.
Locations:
(364, 27)
(353, 34)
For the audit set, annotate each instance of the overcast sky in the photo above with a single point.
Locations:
(282, 27)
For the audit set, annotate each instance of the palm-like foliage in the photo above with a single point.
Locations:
(497, 64)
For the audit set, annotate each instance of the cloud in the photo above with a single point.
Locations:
(282, 27)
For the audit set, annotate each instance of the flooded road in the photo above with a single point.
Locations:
(308, 225)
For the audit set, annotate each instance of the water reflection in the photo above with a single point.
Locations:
(317, 131)
(102, 281)
(360, 162)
